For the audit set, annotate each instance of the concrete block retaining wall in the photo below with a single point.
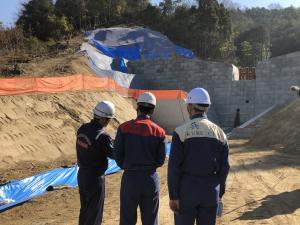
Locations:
(274, 78)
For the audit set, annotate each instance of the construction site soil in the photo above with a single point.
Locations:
(64, 64)
(38, 134)
(281, 129)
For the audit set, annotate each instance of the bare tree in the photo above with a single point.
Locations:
(229, 4)
(275, 6)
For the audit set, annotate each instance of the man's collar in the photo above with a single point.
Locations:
(143, 117)
(96, 123)
(199, 115)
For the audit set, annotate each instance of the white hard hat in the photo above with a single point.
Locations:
(198, 96)
(105, 109)
(147, 98)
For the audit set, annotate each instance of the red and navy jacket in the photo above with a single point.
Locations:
(140, 144)
(199, 148)
(93, 146)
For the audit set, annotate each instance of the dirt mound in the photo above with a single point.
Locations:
(41, 128)
(60, 65)
(46, 59)
(280, 130)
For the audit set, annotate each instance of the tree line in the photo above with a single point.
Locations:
(214, 30)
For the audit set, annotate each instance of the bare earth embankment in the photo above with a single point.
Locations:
(38, 133)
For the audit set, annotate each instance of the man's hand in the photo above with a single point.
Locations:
(222, 191)
(174, 206)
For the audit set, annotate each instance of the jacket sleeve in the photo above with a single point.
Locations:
(174, 167)
(119, 151)
(161, 153)
(108, 145)
(224, 169)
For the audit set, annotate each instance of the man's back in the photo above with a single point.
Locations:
(199, 149)
(204, 143)
(140, 144)
(93, 145)
(198, 165)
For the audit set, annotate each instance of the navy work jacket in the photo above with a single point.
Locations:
(199, 148)
(93, 146)
(140, 145)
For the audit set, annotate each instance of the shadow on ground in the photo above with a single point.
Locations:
(272, 205)
(266, 159)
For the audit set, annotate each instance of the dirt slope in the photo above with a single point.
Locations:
(42, 127)
(281, 129)
(48, 59)
(263, 186)
(60, 65)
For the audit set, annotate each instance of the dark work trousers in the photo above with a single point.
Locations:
(92, 191)
(139, 188)
(198, 200)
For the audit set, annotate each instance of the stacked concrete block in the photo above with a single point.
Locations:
(272, 85)
(186, 74)
(274, 79)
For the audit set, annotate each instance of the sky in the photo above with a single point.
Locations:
(9, 8)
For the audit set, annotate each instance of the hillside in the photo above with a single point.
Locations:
(46, 59)
(51, 121)
(280, 130)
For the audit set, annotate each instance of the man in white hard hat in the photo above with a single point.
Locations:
(198, 165)
(93, 146)
(139, 149)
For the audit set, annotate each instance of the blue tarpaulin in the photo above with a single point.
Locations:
(19, 191)
(134, 44)
(119, 64)
(130, 52)
(184, 52)
(133, 52)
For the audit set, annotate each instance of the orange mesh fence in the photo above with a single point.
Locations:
(19, 86)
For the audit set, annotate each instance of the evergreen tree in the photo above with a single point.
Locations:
(212, 31)
(35, 17)
(38, 19)
(134, 9)
(152, 17)
(74, 10)
(253, 46)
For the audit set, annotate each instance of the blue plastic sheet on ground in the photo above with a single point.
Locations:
(20, 191)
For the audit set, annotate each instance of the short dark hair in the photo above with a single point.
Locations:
(146, 110)
(99, 118)
(203, 105)
(200, 107)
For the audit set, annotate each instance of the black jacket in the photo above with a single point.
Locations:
(93, 146)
